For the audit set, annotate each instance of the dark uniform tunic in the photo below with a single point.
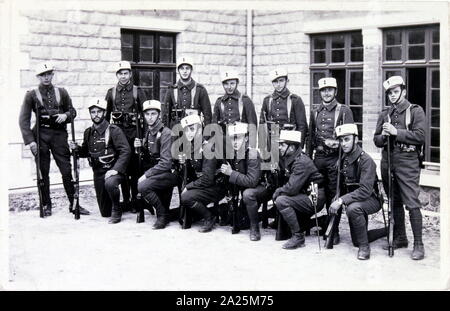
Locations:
(185, 101)
(278, 111)
(93, 147)
(322, 127)
(404, 160)
(53, 136)
(125, 103)
(202, 186)
(226, 109)
(359, 186)
(158, 186)
(298, 171)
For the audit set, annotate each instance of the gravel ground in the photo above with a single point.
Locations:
(59, 253)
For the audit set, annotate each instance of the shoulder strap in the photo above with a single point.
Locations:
(269, 107)
(135, 92)
(193, 91)
(113, 93)
(106, 139)
(175, 95)
(337, 111)
(222, 107)
(289, 106)
(39, 97)
(240, 107)
(158, 138)
(57, 95)
(408, 117)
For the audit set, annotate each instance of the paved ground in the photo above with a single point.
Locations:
(59, 253)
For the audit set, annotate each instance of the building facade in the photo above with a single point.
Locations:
(359, 48)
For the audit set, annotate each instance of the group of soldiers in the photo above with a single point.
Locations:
(213, 155)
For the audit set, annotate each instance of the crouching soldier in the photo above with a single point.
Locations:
(108, 152)
(292, 199)
(405, 124)
(156, 185)
(359, 187)
(201, 169)
(244, 171)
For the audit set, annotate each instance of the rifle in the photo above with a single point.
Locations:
(333, 219)
(314, 197)
(76, 175)
(390, 201)
(139, 200)
(40, 180)
(185, 217)
(233, 206)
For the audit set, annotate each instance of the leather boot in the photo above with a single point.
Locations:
(161, 222)
(397, 243)
(208, 224)
(364, 252)
(418, 252)
(116, 217)
(48, 210)
(255, 235)
(209, 218)
(297, 240)
(82, 210)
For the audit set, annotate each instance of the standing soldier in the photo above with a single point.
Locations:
(156, 185)
(108, 152)
(283, 107)
(124, 108)
(55, 111)
(323, 146)
(201, 170)
(405, 124)
(359, 191)
(244, 171)
(186, 97)
(291, 199)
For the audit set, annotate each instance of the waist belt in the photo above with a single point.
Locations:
(406, 147)
(126, 119)
(50, 122)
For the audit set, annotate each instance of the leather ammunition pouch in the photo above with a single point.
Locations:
(103, 161)
(124, 119)
(50, 122)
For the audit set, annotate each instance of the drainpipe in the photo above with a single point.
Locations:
(249, 52)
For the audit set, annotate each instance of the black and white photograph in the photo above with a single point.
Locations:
(224, 146)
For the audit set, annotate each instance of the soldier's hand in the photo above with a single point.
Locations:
(182, 158)
(334, 207)
(226, 169)
(142, 178)
(110, 173)
(73, 145)
(137, 143)
(331, 143)
(389, 129)
(62, 117)
(33, 148)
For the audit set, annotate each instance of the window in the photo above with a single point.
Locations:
(339, 55)
(413, 53)
(152, 58)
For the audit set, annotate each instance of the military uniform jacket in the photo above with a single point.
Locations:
(414, 135)
(200, 101)
(226, 109)
(205, 170)
(358, 171)
(278, 111)
(323, 124)
(124, 101)
(246, 172)
(157, 145)
(50, 107)
(94, 144)
(300, 171)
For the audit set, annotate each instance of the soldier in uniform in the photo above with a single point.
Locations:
(359, 190)
(291, 199)
(186, 97)
(108, 152)
(202, 188)
(405, 123)
(323, 146)
(244, 171)
(55, 111)
(124, 107)
(283, 107)
(156, 184)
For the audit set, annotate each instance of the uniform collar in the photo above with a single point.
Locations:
(101, 128)
(328, 107)
(351, 157)
(156, 127)
(235, 95)
(283, 94)
(189, 85)
(400, 107)
(45, 88)
(127, 87)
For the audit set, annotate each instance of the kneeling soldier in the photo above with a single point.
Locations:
(244, 171)
(359, 187)
(156, 185)
(203, 188)
(292, 198)
(108, 152)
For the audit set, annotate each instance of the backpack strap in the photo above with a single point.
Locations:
(240, 107)
(57, 95)
(269, 107)
(289, 107)
(107, 134)
(113, 93)
(337, 111)
(39, 97)
(135, 92)
(408, 116)
(193, 92)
